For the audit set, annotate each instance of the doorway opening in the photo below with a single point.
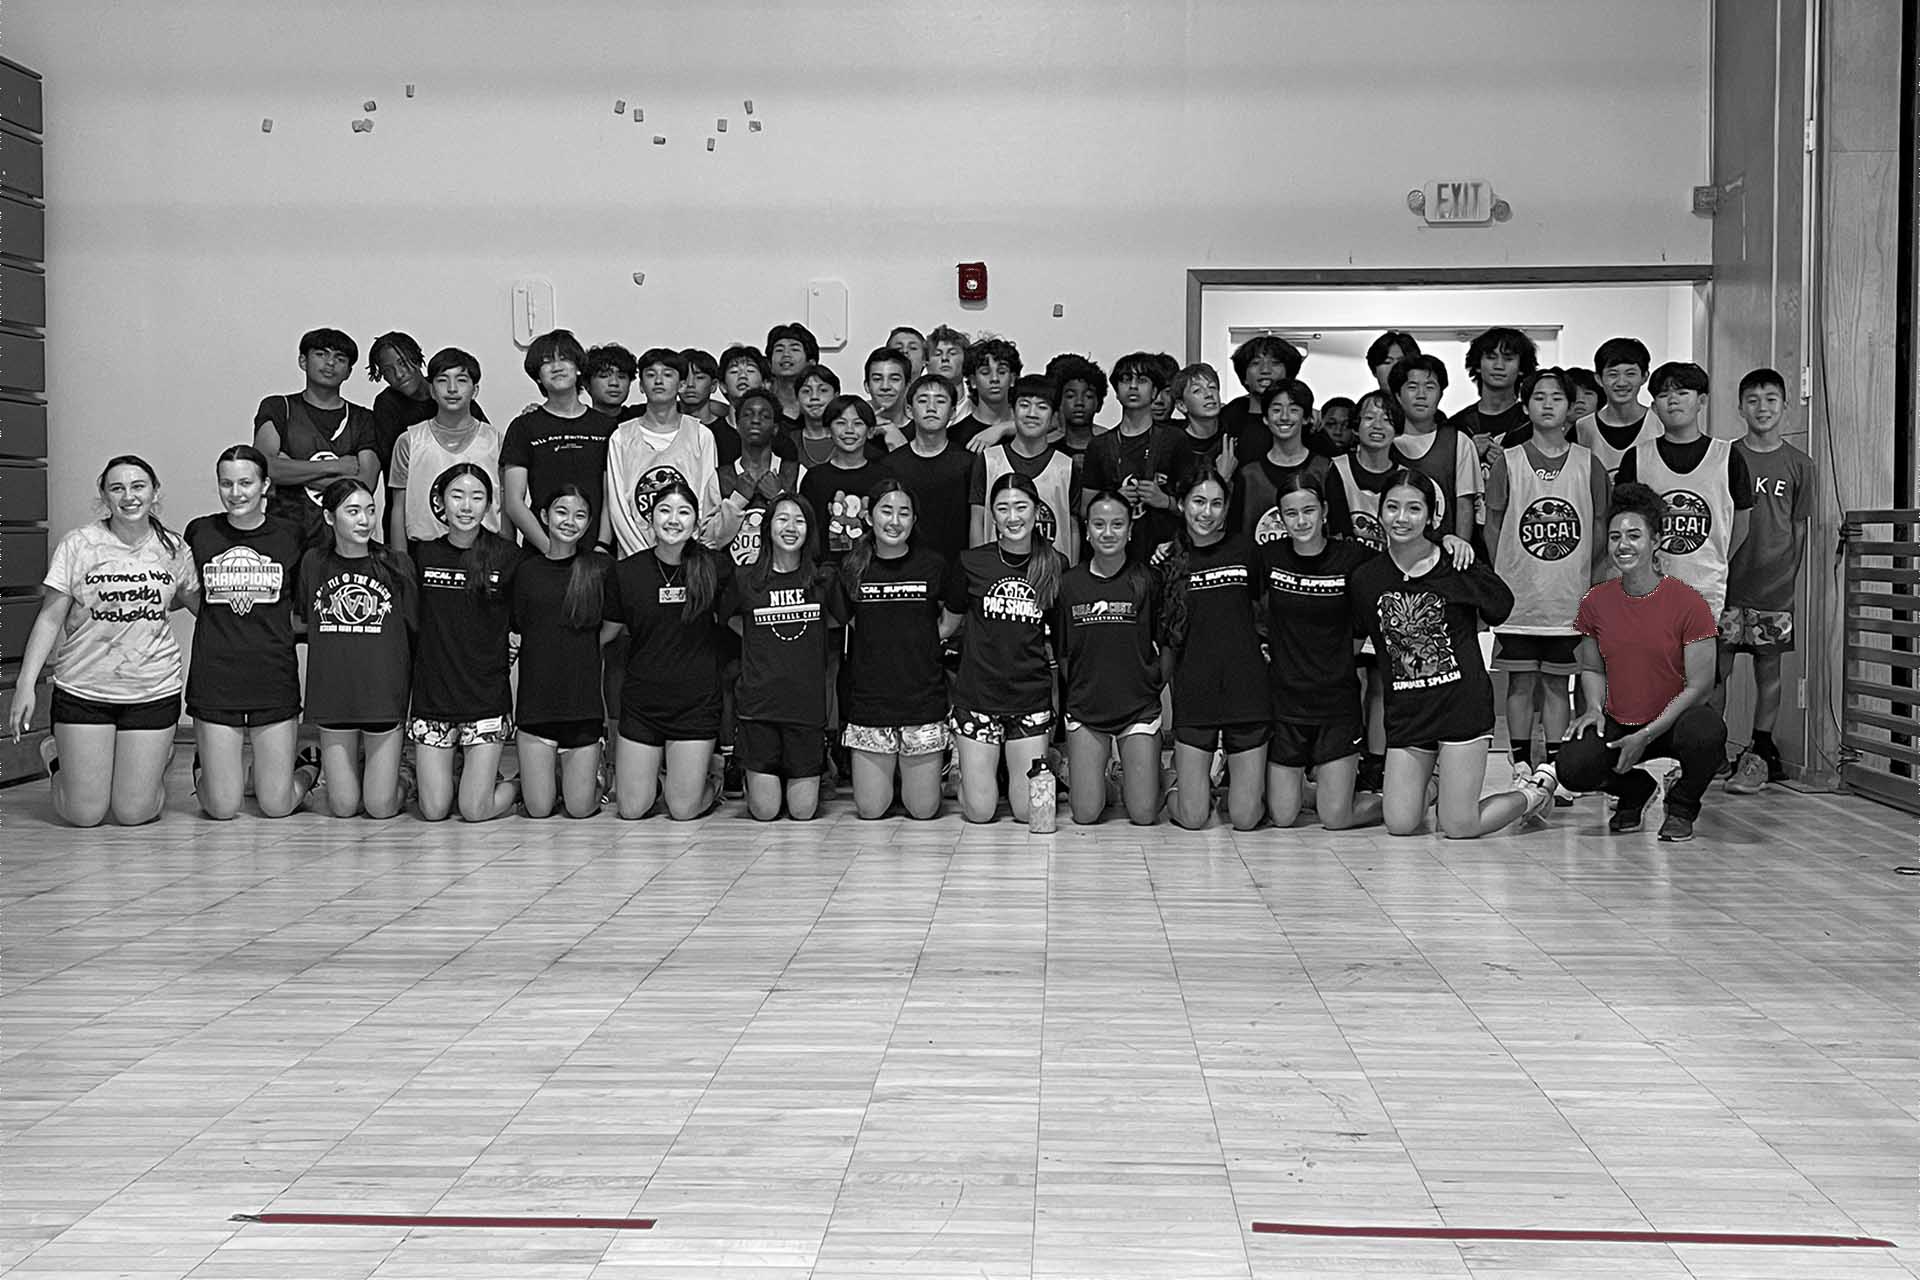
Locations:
(1333, 316)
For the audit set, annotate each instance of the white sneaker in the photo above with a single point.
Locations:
(1538, 787)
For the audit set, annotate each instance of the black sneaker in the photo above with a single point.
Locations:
(1676, 829)
(1776, 769)
(1728, 767)
(733, 779)
(1624, 821)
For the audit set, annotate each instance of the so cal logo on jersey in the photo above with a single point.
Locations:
(1550, 529)
(1367, 531)
(650, 483)
(1688, 525)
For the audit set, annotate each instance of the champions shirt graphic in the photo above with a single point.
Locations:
(1550, 529)
(241, 574)
(1414, 624)
(353, 603)
(1688, 524)
(788, 613)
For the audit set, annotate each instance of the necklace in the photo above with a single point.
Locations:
(1024, 556)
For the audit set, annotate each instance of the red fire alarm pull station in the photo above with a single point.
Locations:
(973, 281)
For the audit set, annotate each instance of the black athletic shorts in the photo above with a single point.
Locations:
(567, 735)
(1232, 738)
(787, 751)
(1301, 746)
(159, 713)
(245, 719)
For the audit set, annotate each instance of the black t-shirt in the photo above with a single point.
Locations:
(1158, 453)
(1216, 673)
(941, 514)
(1241, 423)
(783, 644)
(307, 433)
(1620, 437)
(243, 658)
(1310, 673)
(892, 675)
(838, 497)
(460, 667)
(1203, 453)
(1107, 628)
(1253, 507)
(559, 664)
(1426, 631)
(965, 429)
(360, 625)
(673, 667)
(394, 412)
(558, 451)
(1003, 651)
(1683, 458)
(1486, 428)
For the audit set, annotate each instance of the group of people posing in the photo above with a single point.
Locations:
(959, 572)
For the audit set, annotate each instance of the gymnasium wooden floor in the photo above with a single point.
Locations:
(889, 1050)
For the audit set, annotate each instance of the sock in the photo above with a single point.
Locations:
(1523, 751)
(1553, 753)
(1763, 744)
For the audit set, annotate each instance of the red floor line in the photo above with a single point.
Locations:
(442, 1220)
(1604, 1237)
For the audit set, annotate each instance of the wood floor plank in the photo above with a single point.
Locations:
(850, 1049)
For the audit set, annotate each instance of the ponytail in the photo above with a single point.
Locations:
(703, 579)
(580, 605)
(1173, 582)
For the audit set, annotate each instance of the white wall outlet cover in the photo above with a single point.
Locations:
(827, 312)
(532, 309)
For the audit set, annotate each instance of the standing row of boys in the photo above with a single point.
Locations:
(945, 564)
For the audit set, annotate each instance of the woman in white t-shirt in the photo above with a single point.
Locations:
(116, 665)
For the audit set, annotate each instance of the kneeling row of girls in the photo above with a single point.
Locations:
(419, 647)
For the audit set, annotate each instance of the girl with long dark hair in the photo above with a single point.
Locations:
(361, 600)
(556, 603)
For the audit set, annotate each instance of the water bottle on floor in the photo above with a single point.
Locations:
(1043, 798)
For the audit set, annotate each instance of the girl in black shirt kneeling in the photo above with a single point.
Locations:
(1313, 689)
(244, 678)
(895, 701)
(361, 603)
(1106, 619)
(1003, 695)
(665, 596)
(1208, 637)
(556, 604)
(1424, 616)
(462, 700)
(783, 605)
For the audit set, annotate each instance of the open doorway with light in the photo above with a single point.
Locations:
(1332, 316)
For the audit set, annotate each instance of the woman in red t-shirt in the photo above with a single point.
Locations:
(1647, 656)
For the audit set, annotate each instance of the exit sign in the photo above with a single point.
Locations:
(1459, 202)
